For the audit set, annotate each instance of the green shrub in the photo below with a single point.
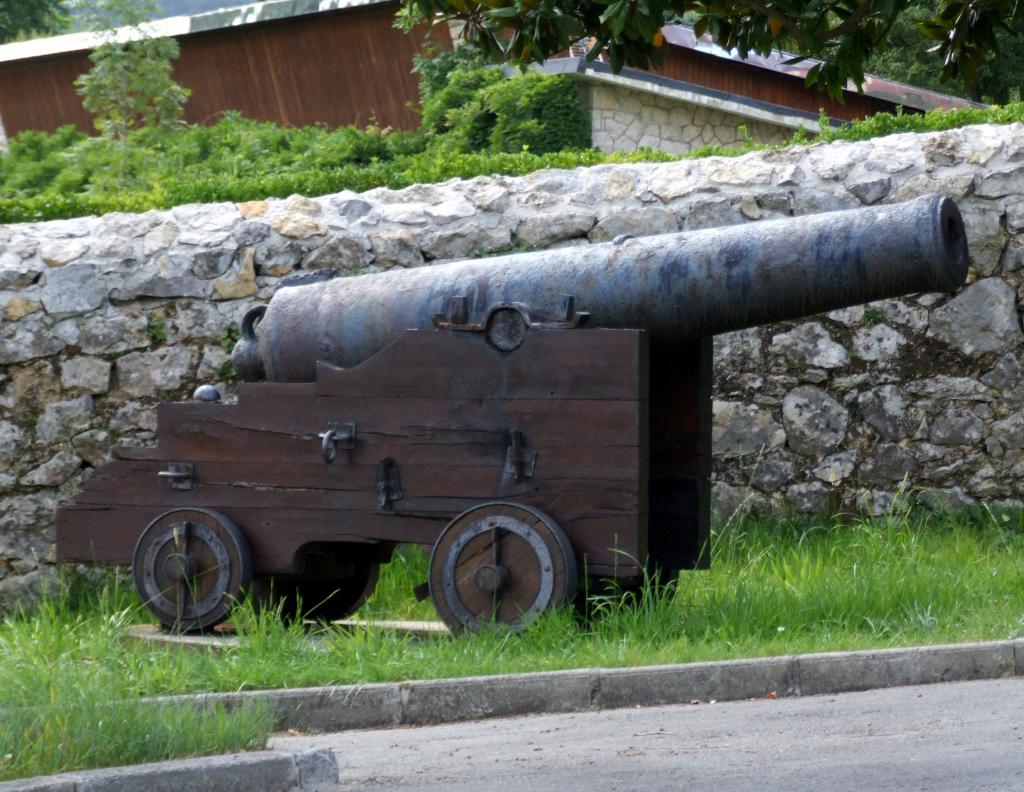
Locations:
(35, 158)
(541, 112)
(479, 109)
(434, 67)
(459, 104)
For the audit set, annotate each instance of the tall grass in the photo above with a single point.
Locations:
(69, 697)
(68, 675)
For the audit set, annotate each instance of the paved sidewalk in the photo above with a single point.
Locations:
(954, 737)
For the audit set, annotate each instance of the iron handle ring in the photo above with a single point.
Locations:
(329, 448)
(174, 474)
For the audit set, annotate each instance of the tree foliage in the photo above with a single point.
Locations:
(908, 57)
(20, 18)
(130, 85)
(843, 34)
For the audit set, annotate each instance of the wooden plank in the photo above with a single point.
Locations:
(557, 364)
(217, 441)
(423, 495)
(417, 433)
(743, 79)
(107, 535)
(425, 491)
(547, 423)
(346, 66)
(423, 479)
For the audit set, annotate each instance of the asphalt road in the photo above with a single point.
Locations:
(955, 737)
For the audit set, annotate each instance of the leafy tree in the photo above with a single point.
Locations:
(909, 57)
(19, 18)
(843, 34)
(435, 65)
(130, 84)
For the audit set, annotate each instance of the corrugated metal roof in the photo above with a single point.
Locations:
(887, 90)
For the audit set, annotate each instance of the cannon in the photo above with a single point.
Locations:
(531, 419)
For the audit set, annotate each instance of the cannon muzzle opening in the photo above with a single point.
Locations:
(953, 243)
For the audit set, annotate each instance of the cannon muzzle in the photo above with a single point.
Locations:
(675, 286)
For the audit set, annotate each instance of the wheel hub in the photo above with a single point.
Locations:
(180, 567)
(491, 578)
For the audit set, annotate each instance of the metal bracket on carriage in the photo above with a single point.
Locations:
(506, 323)
(520, 461)
(338, 437)
(179, 475)
(389, 484)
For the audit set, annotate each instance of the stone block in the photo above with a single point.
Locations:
(83, 373)
(635, 222)
(878, 343)
(742, 429)
(73, 289)
(55, 471)
(545, 229)
(981, 319)
(320, 709)
(147, 373)
(815, 422)
(810, 344)
(62, 419)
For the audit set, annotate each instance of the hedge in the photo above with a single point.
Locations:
(476, 124)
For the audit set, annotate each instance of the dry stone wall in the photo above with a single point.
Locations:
(102, 318)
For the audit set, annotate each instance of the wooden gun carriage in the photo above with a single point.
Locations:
(531, 418)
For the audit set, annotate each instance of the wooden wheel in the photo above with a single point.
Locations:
(191, 566)
(326, 599)
(502, 564)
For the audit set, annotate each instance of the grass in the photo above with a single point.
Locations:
(69, 681)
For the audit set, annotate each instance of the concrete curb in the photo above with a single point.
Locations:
(269, 771)
(417, 703)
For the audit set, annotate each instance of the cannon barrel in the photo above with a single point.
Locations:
(675, 286)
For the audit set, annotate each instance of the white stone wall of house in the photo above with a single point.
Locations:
(103, 318)
(623, 119)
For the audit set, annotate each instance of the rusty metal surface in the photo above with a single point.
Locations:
(676, 286)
